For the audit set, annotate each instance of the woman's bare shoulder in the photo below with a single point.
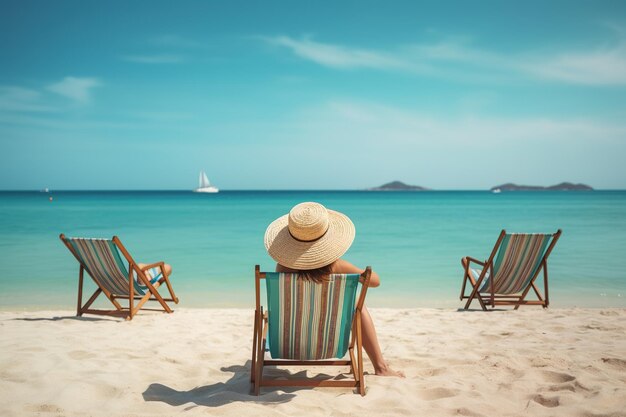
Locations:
(341, 266)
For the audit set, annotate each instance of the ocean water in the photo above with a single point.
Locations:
(413, 240)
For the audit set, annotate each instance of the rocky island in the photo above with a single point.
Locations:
(397, 186)
(564, 186)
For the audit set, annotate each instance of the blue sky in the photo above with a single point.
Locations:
(321, 95)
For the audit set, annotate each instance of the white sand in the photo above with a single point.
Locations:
(568, 362)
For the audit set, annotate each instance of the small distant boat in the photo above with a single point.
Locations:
(496, 191)
(45, 190)
(204, 186)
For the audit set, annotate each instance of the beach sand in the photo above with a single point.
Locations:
(531, 362)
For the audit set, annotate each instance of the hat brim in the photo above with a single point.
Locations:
(296, 254)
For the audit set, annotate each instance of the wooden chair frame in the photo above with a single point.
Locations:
(260, 336)
(491, 299)
(128, 312)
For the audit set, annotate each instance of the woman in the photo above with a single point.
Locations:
(310, 241)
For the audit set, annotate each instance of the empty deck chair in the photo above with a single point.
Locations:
(510, 272)
(309, 324)
(101, 259)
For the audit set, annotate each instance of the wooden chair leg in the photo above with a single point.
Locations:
(475, 286)
(152, 291)
(254, 343)
(163, 303)
(545, 283)
(143, 300)
(352, 362)
(523, 297)
(260, 355)
(475, 294)
(258, 375)
(527, 290)
(131, 292)
(463, 287)
(170, 289)
(466, 275)
(537, 293)
(359, 352)
(79, 310)
(351, 351)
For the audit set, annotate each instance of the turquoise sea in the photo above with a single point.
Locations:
(414, 240)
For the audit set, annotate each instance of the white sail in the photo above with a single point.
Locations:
(204, 181)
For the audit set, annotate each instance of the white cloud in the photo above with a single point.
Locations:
(77, 89)
(14, 98)
(602, 67)
(154, 59)
(411, 126)
(336, 56)
(455, 59)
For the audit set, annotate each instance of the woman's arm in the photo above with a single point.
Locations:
(341, 267)
(344, 267)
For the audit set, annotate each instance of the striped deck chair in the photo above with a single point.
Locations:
(101, 259)
(309, 324)
(510, 272)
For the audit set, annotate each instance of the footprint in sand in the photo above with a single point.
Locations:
(467, 412)
(436, 393)
(568, 386)
(558, 377)
(562, 387)
(619, 364)
(549, 402)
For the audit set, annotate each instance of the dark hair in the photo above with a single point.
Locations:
(318, 274)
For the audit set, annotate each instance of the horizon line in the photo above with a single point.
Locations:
(288, 190)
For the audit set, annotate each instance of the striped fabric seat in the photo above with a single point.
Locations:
(309, 320)
(476, 275)
(153, 274)
(518, 259)
(103, 262)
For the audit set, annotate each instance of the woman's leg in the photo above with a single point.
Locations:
(168, 268)
(372, 348)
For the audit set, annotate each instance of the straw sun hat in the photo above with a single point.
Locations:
(309, 237)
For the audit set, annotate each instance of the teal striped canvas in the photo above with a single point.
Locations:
(102, 261)
(518, 259)
(309, 320)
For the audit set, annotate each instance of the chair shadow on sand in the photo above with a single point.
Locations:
(59, 318)
(104, 316)
(479, 310)
(237, 389)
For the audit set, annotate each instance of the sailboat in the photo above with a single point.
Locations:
(204, 186)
